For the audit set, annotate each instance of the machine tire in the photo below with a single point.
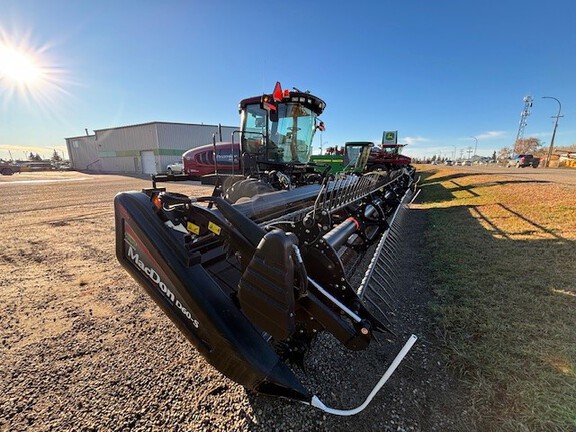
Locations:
(244, 190)
(7, 171)
(169, 171)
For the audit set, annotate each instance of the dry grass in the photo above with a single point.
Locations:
(503, 258)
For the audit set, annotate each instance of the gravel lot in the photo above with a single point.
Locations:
(83, 348)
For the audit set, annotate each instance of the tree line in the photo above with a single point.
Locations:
(35, 157)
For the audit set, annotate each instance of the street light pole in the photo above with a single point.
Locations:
(554, 132)
(475, 145)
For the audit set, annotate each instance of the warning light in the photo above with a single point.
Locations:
(267, 104)
(277, 94)
(157, 202)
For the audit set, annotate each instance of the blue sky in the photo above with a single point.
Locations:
(439, 72)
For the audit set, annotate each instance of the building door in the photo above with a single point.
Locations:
(148, 162)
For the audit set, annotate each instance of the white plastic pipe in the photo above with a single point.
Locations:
(414, 197)
(316, 402)
(334, 300)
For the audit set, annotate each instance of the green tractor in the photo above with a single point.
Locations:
(352, 158)
(363, 156)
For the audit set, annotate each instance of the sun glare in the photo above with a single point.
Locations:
(18, 67)
(28, 76)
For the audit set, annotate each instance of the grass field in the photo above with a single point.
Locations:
(503, 258)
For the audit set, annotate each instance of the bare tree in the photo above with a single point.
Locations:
(527, 146)
(504, 153)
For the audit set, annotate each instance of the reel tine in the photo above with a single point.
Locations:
(375, 305)
(377, 287)
(381, 297)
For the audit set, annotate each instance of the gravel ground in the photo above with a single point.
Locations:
(84, 349)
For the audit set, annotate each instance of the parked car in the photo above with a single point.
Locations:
(174, 168)
(521, 161)
(8, 168)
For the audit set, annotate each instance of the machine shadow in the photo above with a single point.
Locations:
(435, 192)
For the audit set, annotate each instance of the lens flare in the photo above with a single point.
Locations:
(18, 67)
(27, 75)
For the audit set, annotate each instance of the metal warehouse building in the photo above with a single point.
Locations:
(140, 149)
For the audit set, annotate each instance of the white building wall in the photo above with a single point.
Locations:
(120, 149)
(83, 152)
(175, 139)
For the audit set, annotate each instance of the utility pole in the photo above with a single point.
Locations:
(557, 116)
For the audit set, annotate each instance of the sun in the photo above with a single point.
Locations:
(29, 78)
(18, 67)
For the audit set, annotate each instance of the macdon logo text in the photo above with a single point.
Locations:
(155, 277)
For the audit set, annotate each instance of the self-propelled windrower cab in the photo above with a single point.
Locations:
(252, 283)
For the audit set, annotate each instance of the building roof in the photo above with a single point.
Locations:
(81, 136)
(159, 122)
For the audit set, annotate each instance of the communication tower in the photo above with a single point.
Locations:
(523, 116)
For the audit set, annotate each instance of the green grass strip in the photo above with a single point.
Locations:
(504, 275)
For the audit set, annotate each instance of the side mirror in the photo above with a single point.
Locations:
(274, 116)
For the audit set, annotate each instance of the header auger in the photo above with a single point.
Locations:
(252, 282)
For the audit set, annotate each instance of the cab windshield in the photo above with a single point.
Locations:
(290, 129)
(391, 150)
(352, 155)
(356, 156)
